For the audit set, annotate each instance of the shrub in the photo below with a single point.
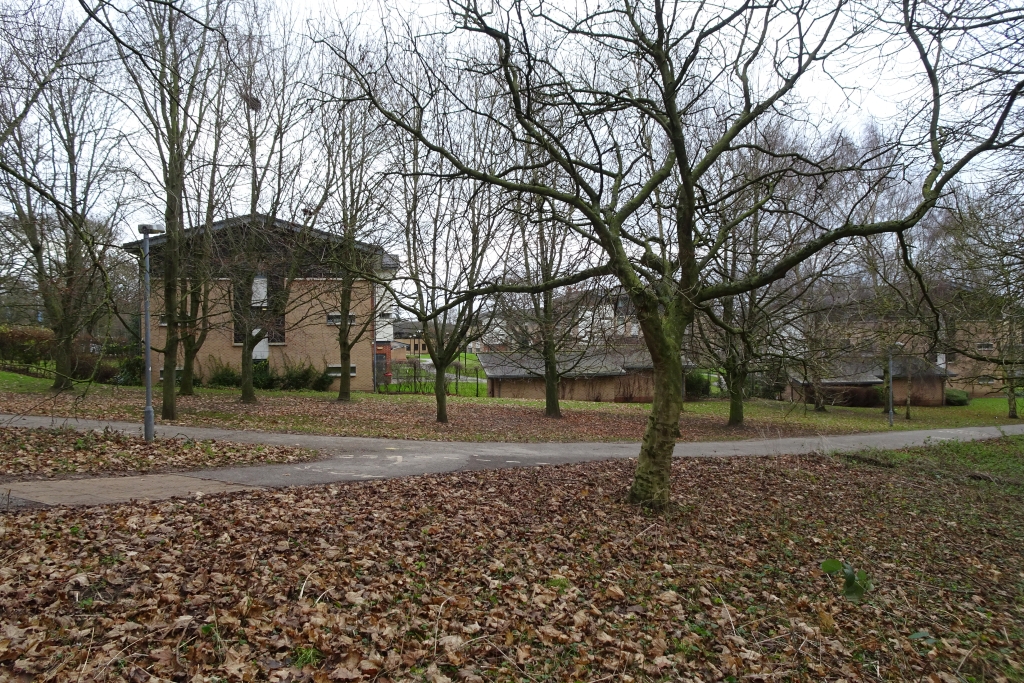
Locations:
(263, 376)
(298, 377)
(224, 375)
(861, 397)
(698, 385)
(956, 397)
(121, 349)
(323, 382)
(95, 368)
(131, 369)
(28, 345)
(850, 396)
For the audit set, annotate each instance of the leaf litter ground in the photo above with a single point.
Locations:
(403, 417)
(52, 453)
(538, 574)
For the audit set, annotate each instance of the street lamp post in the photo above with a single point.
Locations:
(148, 426)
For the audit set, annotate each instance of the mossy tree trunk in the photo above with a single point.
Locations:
(64, 360)
(651, 480)
(736, 377)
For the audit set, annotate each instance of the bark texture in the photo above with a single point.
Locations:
(651, 482)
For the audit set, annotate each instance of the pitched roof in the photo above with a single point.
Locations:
(871, 371)
(388, 261)
(610, 362)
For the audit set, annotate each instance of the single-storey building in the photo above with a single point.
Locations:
(861, 382)
(621, 375)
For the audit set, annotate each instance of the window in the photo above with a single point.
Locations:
(335, 371)
(163, 320)
(985, 346)
(985, 379)
(385, 315)
(259, 291)
(335, 319)
(177, 373)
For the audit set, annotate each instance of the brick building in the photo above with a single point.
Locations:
(300, 311)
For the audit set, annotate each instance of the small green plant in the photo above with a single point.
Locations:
(307, 656)
(76, 531)
(298, 377)
(264, 377)
(924, 637)
(698, 385)
(560, 584)
(224, 375)
(956, 397)
(856, 581)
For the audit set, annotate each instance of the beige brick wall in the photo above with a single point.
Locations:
(308, 337)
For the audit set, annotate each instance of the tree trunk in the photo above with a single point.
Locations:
(819, 398)
(736, 378)
(1011, 399)
(345, 380)
(651, 485)
(186, 381)
(169, 408)
(908, 394)
(344, 343)
(441, 395)
(64, 359)
(248, 391)
(886, 387)
(551, 406)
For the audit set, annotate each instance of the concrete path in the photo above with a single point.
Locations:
(356, 459)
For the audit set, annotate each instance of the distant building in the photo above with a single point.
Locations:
(860, 382)
(621, 375)
(307, 332)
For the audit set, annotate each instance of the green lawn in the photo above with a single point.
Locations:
(23, 384)
(837, 420)
(997, 461)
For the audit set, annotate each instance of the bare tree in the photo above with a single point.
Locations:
(169, 59)
(452, 246)
(354, 148)
(66, 191)
(278, 189)
(549, 324)
(978, 287)
(676, 86)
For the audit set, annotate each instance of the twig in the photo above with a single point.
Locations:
(88, 652)
(303, 589)
(516, 665)
(437, 623)
(965, 658)
(646, 530)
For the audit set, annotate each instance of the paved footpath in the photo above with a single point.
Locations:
(356, 459)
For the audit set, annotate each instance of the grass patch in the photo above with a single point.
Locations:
(412, 416)
(999, 461)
